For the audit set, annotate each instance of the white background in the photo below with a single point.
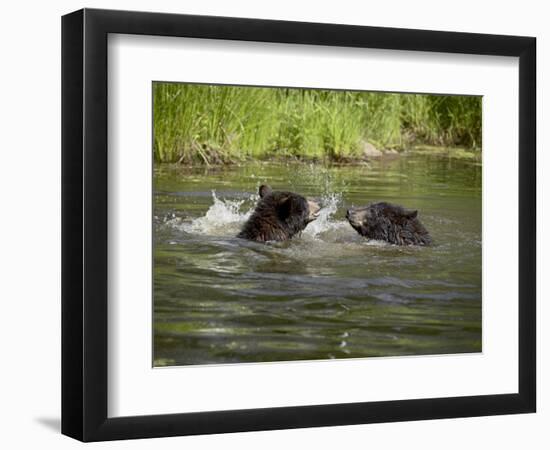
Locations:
(30, 236)
(136, 389)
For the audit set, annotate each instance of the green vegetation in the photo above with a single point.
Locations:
(223, 124)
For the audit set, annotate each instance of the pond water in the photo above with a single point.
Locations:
(328, 293)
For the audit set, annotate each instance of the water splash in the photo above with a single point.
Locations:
(326, 184)
(325, 222)
(223, 218)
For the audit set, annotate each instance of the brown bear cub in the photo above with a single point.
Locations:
(279, 216)
(390, 223)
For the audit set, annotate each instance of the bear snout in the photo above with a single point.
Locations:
(314, 209)
(352, 216)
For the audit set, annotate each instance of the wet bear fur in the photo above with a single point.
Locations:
(278, 216)
(391, 223)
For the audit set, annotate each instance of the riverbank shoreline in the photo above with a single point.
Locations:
(371, 155)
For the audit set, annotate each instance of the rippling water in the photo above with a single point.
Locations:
(328, 293)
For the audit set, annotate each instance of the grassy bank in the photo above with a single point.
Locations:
(220, 124)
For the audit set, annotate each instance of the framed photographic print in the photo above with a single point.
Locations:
(273, 224)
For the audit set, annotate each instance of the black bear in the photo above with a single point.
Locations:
(391, 223)
(279, 216)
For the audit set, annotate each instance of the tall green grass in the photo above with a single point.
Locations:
(220, 124)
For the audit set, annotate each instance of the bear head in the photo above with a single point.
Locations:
(390, 223)
(279, 216)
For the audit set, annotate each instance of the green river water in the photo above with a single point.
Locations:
(328, 293)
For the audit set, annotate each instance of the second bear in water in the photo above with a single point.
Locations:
(279, 216)
(391, 223)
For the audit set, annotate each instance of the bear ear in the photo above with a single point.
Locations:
(411, 214)
(265, 190)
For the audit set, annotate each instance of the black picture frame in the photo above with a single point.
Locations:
(84, 224)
